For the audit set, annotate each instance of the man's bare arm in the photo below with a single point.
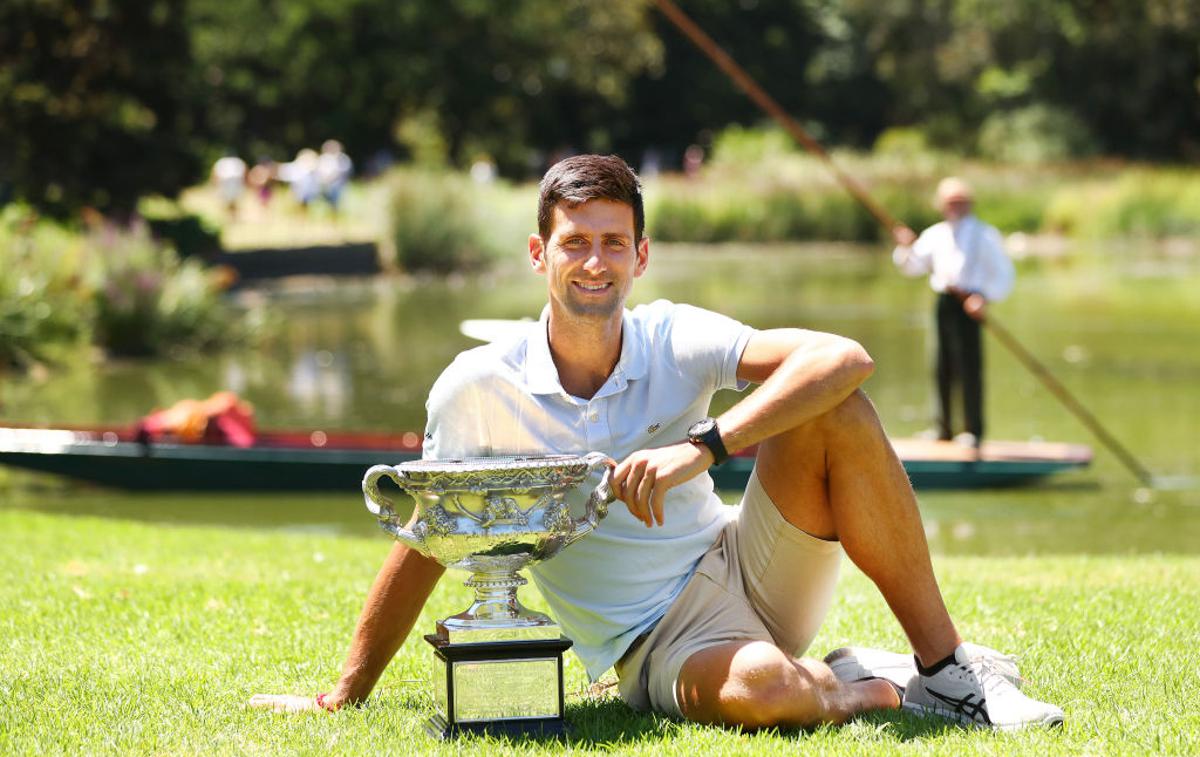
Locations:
(404, 583)
(803, 375)
(392, 607)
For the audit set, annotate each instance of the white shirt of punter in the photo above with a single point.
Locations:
(967, 254)
(505, 398)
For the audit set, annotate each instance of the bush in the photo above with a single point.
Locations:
(39, 305)
(757, 189)
(187, 233)
(1035, 134)
(738, 210)
(902, 141)
(439, 222)
(739, 146)
(147, 302)
(1143, 202)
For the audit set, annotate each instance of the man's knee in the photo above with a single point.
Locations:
(765, 688)
(857, 409)
(853, 416)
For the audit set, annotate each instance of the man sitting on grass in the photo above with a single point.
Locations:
(703, 609)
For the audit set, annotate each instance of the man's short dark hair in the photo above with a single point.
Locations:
(581, 178)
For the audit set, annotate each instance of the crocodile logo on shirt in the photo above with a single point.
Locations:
(653, 427)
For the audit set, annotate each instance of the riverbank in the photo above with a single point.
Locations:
(443, 221)
(135, 638)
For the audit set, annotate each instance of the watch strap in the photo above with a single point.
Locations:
(711, 438)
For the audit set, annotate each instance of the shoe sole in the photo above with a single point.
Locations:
(1050, 721)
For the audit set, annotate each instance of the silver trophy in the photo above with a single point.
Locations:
(498, 665)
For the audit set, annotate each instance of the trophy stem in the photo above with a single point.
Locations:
(496, 595)
(497, 614)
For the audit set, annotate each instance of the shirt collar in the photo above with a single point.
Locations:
(541, 375)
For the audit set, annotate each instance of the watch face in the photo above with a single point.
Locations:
(702, 427)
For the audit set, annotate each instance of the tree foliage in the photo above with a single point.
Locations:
(488, 75)
(94, 102)
(102, 100)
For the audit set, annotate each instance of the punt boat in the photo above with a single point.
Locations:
(280, 461)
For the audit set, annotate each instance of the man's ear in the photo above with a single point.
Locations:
(643, 256)
(537, 253)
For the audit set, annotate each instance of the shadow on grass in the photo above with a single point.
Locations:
(611, 724)
(901, 725)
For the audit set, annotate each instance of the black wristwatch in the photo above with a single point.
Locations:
(706, 432)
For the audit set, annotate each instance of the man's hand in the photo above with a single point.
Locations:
(975, 305)
(285, 703)
(642, 480)
(903, 236)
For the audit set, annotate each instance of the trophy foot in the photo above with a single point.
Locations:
(440, 729)
(512, 688)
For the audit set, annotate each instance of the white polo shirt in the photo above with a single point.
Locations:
(505, 398)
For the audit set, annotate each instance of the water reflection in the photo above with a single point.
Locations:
(362, 354)
(320, 383)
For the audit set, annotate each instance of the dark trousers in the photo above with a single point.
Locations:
(959, 362)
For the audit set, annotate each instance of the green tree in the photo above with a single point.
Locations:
(94, 102)
(1126, 72)
(488, 74)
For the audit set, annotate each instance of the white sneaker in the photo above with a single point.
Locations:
(975, 691)
(862, 663)
(850, 664)
(967, 439)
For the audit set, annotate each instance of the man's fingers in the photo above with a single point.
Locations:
(616, 481)
(644, 491)
(619, 481)
(637, 470)
(656, 502)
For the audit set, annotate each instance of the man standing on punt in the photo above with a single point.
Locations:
(967, 266)
(703, 609)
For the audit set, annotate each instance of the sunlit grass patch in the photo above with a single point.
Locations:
(125, 637)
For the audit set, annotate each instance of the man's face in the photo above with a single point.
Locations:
(590, 259)
(956, 208)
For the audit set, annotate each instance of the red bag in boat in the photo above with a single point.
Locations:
(220, 419)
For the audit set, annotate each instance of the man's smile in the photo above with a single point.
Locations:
(592, 286)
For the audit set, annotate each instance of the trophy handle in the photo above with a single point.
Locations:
(601, 497)
(381, 506)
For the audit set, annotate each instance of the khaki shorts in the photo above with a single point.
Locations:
(763, 579)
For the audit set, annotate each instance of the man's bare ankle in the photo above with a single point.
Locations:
(864, 696)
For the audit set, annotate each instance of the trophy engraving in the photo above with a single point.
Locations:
(498, 664)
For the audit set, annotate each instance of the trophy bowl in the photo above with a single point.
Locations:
(492, 516)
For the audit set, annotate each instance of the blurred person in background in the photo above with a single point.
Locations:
(333, 172)
(301, 176)
(260, 179)
(229, 174)
(693, 161)
(967, 267)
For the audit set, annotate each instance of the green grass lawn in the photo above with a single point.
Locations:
(126, 637)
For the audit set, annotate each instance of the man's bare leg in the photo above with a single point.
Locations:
(838, 477)
(754, 684)
(835, 477)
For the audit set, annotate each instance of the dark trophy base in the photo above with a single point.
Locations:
(501, 688)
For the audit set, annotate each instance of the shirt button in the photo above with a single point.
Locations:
(594, 416)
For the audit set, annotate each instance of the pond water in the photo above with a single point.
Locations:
(1119, 327)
